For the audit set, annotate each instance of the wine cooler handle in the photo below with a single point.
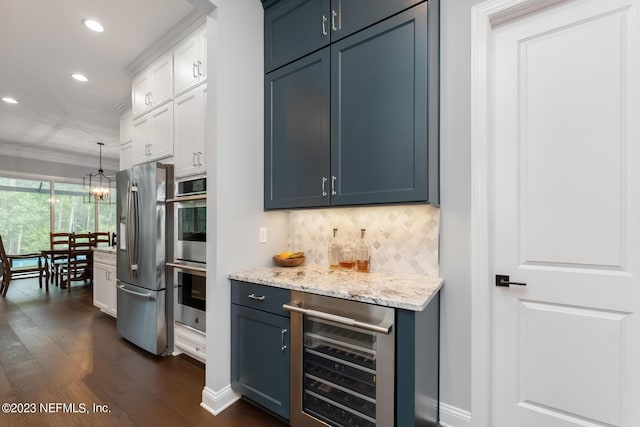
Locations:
(283, 347)
(384, 329)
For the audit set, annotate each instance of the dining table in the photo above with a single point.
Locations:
(51, 254)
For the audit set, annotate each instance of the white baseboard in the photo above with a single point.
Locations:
(450, 416)
(217, 401)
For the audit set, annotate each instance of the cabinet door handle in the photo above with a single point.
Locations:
(257, 297)
(199, 65)
(324, 181)
(333, 185)
(194, 70)
(324, 25)
(282, 334)
(199, 156)
(333, 20)
(150, 96)
(193, 161)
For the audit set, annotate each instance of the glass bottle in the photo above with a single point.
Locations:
(363, 253)
(334, 250)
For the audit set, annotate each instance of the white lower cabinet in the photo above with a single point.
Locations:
(189, 341)
(104, 282)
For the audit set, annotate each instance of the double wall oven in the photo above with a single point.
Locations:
(190, 252)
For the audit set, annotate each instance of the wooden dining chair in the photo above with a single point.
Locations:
(80, 265)
(11, 272)
(101, 237)
(57, 241)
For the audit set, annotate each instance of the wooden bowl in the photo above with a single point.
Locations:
(287, 262)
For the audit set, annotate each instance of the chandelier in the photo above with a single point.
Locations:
(96, 186)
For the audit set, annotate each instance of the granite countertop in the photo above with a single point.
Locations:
(107, 249)
(407, 291)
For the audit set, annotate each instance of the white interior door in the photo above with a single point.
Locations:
(565, 194)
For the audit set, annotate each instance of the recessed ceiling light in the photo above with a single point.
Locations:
(79, 77)
(93, 25)
(9, 100)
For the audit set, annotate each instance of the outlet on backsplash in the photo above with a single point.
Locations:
(403, 239)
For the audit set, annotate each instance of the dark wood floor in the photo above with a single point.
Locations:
(58, 348)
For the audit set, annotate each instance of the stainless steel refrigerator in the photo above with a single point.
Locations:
(144, 306)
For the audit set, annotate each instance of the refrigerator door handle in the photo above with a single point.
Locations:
(138, 294)
(136, 236)
(131, 248)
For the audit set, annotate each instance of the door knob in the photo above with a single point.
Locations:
(502, 280)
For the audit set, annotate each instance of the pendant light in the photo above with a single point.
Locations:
(96, 186)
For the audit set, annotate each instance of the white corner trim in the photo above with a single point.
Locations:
(451, 416)
(217, 401)
(484, 17)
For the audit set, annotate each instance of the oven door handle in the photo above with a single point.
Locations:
(382, 328)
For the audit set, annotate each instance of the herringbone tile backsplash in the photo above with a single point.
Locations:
(403, 239)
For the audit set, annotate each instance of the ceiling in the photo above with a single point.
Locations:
(42, 42)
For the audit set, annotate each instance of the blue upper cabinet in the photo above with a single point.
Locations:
(356, 122)
(294, 28)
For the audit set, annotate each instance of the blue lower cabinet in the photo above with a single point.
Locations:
(260, 357)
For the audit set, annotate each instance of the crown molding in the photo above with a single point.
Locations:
(170, 39)
(123, 105)
(37, 152)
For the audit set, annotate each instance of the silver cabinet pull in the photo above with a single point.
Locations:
(194, 70)
(333, 20)
(324, 23)
(257, 297)
(282, 334)
(324, 181)
(150, 95)
(199, 156)
(333, 185)
(199, 65)
(193, 161)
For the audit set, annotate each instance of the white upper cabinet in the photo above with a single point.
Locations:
(153, 87)
(190, 62)
(126, 140)
(189, 132)
(153, 135)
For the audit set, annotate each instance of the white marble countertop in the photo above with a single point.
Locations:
(407, 291)
(107, 249)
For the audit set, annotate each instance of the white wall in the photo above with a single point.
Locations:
(235, 174)
(455, 332)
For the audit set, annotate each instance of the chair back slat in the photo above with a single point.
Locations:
(59, 240)
(102, 237)
(81, 241)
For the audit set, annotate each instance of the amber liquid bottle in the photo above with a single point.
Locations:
(334, 250)
(363, 253)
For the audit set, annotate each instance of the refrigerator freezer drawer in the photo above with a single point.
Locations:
(142, 317)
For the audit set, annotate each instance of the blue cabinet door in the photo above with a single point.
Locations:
(379, 112)
(349, 16)
(294, 28)
(260, 357)
(296, 152)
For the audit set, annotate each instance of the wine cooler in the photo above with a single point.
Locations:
(342, 362)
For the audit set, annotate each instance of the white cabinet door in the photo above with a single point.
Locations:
(141, 87)
(185, 72)
(112, 307)
(161, 132)
(126, 127)
(161, 81)
(126, 155)
(141, 139)
(202, 36)
(186, 135)
(190, 62)
(101, 297)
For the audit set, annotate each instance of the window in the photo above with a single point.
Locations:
(25, 214)
(29, 210)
